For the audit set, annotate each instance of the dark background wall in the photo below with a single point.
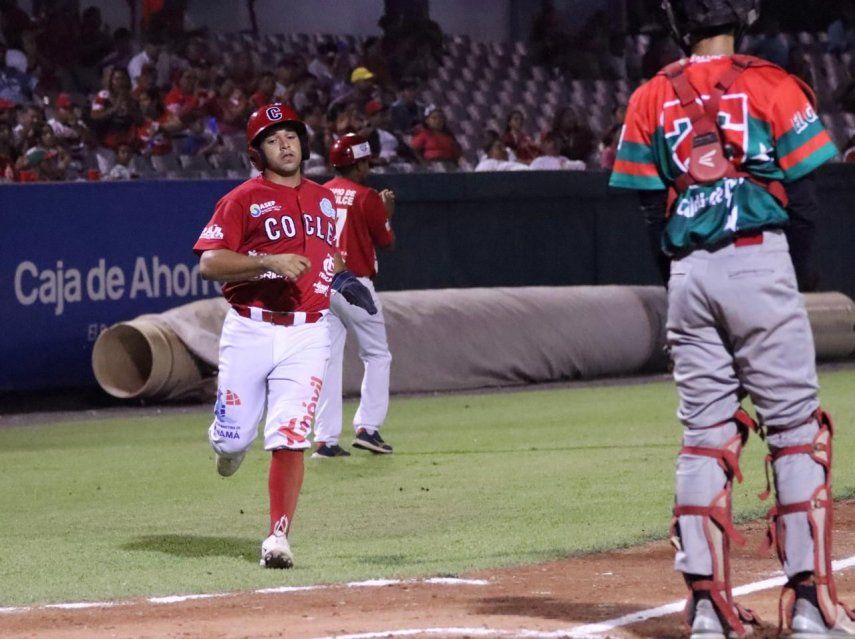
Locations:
(115, 251)
(524, 229)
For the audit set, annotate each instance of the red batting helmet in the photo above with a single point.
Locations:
(348, 150)
(274, 115)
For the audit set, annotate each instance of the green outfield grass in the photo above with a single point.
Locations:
(126, 507)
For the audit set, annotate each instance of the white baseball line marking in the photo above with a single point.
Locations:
(172, 599)
(588, 631)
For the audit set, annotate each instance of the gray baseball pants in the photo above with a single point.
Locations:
(737, 324)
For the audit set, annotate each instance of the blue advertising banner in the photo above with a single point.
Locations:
(79, 257)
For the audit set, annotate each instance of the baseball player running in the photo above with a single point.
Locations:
(710, 140)
(363, 225)
(271, 242)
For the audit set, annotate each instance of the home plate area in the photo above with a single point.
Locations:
(625, 594)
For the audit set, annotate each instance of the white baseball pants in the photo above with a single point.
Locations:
(262, 364)
(370, 334)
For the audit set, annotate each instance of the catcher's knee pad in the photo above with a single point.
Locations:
(702, 528)
(801, 520)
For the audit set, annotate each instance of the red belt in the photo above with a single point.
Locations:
(275, 317)
(749, 240)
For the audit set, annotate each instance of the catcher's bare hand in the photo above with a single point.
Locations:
(288, 265)
(387, 196)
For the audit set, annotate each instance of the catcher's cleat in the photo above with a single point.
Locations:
(275, 551)
(227, 466)
(326, 451)
(372, 442)
(706, 623)
(808, 621)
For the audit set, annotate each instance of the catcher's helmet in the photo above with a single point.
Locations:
(688, 18)
(348, 150)
(268, 117)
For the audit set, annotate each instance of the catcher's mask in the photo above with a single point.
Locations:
(691, 19)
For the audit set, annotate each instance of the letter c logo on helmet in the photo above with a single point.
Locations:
(274, 113)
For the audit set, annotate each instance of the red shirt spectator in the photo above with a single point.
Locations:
(185, 100)
(114, 112)
(518, 140)
(435, 141)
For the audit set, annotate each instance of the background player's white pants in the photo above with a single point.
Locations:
(280, 366)
(370, 334)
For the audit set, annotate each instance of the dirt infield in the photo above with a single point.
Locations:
(559, 599)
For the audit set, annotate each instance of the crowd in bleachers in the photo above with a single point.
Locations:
(78, 102)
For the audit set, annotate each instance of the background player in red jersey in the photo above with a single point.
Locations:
(716, 141)
(363, 225)
(271, 241)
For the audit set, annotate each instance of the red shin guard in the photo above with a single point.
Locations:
(719, 529)
(819, 513)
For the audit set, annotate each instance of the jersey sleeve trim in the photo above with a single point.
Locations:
(636, 175)
(810, 155)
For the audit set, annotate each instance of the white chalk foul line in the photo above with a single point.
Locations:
(588, 631)
(173, 599)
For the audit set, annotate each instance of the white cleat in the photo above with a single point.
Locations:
(227, 466)
(275, 552)
(707, 625)
(808, 623)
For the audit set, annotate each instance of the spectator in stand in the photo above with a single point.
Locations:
(406, 112)
(147, 81)
(199, 139)
(361, 91)
(7, 154)
(323, 66)
(121, 52)
(772, 45)
(114, 115)
(266, 90)
(232, 107)
(384, 145)
(288, 72)
(186, 100)
(242, 72)
(71, 131)
(30, 120)
(149, 55)
(841, 32)
(551, 158)
(122, 169)
(158, 125)
(15, 87)
(435, 142)
(609, 141)
(47, 161)
(517, 139)
(576, 140)
(496, 159)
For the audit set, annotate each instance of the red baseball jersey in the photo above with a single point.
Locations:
(262, 218)
(362, 224)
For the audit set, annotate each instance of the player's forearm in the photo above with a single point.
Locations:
(223, 265)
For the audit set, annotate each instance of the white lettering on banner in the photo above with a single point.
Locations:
(58, 286)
